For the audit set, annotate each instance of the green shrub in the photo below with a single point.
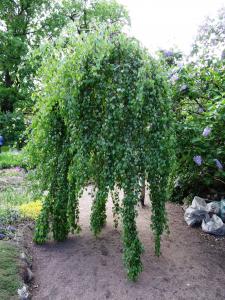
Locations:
(12, 128)
(9, 215)
(199, 102)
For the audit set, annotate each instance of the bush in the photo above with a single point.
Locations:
(199, 102)
(30, 210)
(9, 215)
(12, 128)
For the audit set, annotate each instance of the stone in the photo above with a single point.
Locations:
(2, 236)
(11, 228)
(25, 259)
(27, 274)
(23, 293)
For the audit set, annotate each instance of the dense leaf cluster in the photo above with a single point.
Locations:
(103, 115)
(199, 106)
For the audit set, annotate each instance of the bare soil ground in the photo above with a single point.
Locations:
(84, 267)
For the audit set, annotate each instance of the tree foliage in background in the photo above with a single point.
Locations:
(103, 114)
(209, 42)
(24, 25)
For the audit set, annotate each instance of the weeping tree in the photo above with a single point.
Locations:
(103, 114)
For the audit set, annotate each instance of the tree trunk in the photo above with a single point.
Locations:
(142, 198)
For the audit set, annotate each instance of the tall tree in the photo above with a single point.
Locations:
(24, 25)
(210, 39)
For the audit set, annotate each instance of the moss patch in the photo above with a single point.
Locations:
(9, 271)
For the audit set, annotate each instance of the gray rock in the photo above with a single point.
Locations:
(23, 293)
(27, 274)
(30, 275)
(2, 236)
(11, 228)
(25, 260)
(10, 236)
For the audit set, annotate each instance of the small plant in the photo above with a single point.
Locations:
(11, 197)
(9, 215)
(30, 210)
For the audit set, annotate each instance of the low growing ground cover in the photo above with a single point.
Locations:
(16, 207)
(9, 271)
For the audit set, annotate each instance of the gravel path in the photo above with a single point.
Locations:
(84, 267)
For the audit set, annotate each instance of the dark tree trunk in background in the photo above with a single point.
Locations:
(7, 98)
(8, 80)
(142, 198)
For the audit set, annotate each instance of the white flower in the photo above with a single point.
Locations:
(45, 193)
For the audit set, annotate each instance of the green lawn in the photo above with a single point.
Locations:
(9, 271)
(11, 159)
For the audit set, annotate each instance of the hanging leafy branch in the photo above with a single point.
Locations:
(103, 114)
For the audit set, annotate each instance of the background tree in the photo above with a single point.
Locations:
(24, 25)
(210, 39)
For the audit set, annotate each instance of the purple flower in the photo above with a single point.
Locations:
(168, 53)
(218, 164)
(198, 160)
(206, 131)
(174, 78)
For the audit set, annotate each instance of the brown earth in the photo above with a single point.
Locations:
(13, 177)
(85, 267)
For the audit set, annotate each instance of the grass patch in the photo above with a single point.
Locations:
(9, 271)
(9, 216)
(11, 197)
(5, 148)
(12, 159)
